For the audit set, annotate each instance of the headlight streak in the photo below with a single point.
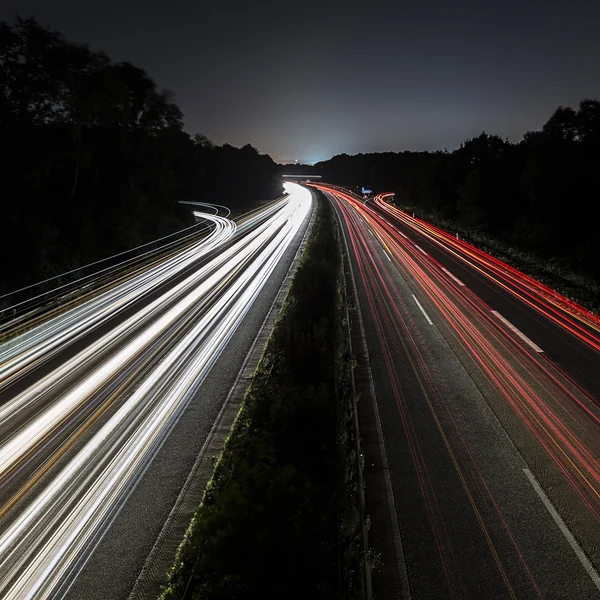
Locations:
(45, 341)
(46, 540)
(79, 281)
(23, 443)
(560, 415)
(35, 312)
(206, 205)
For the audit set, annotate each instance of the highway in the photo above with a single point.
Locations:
(90, 397)
(487, 385)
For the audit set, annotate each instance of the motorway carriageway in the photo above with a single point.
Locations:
(88, 397)
(487, 387)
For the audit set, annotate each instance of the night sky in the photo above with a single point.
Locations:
(305, 80)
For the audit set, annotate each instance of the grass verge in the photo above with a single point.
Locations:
(280, 516)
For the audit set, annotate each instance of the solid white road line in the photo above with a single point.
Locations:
(585, 561)
(452, 276)
(423, 310)
(517, 332)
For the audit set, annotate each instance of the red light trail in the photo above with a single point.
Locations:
(518, 379)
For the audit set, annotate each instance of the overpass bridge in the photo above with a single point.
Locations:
(300, 178)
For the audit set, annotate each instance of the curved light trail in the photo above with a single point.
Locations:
(554, 421)
(75, 442)
(573, 317)
(22, 353)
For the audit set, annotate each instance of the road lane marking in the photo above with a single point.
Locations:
(421, 249)
(383, 246)
(452, 276)
(454, 460)
(423, 310)
(402, 234)
(517, 332)
(585, 561)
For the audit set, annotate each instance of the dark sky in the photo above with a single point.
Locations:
(305, 80)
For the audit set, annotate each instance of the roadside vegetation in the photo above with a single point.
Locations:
(533, 203)
(280, 517)
(96, 158)
(554, 273)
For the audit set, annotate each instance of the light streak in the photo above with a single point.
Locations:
(562, 311)
(23, 353)
(560, 418)
(139, 378)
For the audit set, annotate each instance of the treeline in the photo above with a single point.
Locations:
(94, 157)
(279, 518)
(541, 195)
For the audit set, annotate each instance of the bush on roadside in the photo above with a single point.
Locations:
(279, 518)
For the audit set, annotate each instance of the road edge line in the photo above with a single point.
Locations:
(393, 517)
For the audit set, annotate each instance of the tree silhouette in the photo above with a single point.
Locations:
(540, 194)
(96, 157)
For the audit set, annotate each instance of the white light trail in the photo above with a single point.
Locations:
(46, 538)
(50, 338)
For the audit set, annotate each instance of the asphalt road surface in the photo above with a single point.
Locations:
(487, 386)
(103, 408)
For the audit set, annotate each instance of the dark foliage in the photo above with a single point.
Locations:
(94, 157)
(279, 518)
(541, 195)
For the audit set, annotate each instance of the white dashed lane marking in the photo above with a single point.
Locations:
(585, 561)
(517, 332)
(423, 310)
(453, 276)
